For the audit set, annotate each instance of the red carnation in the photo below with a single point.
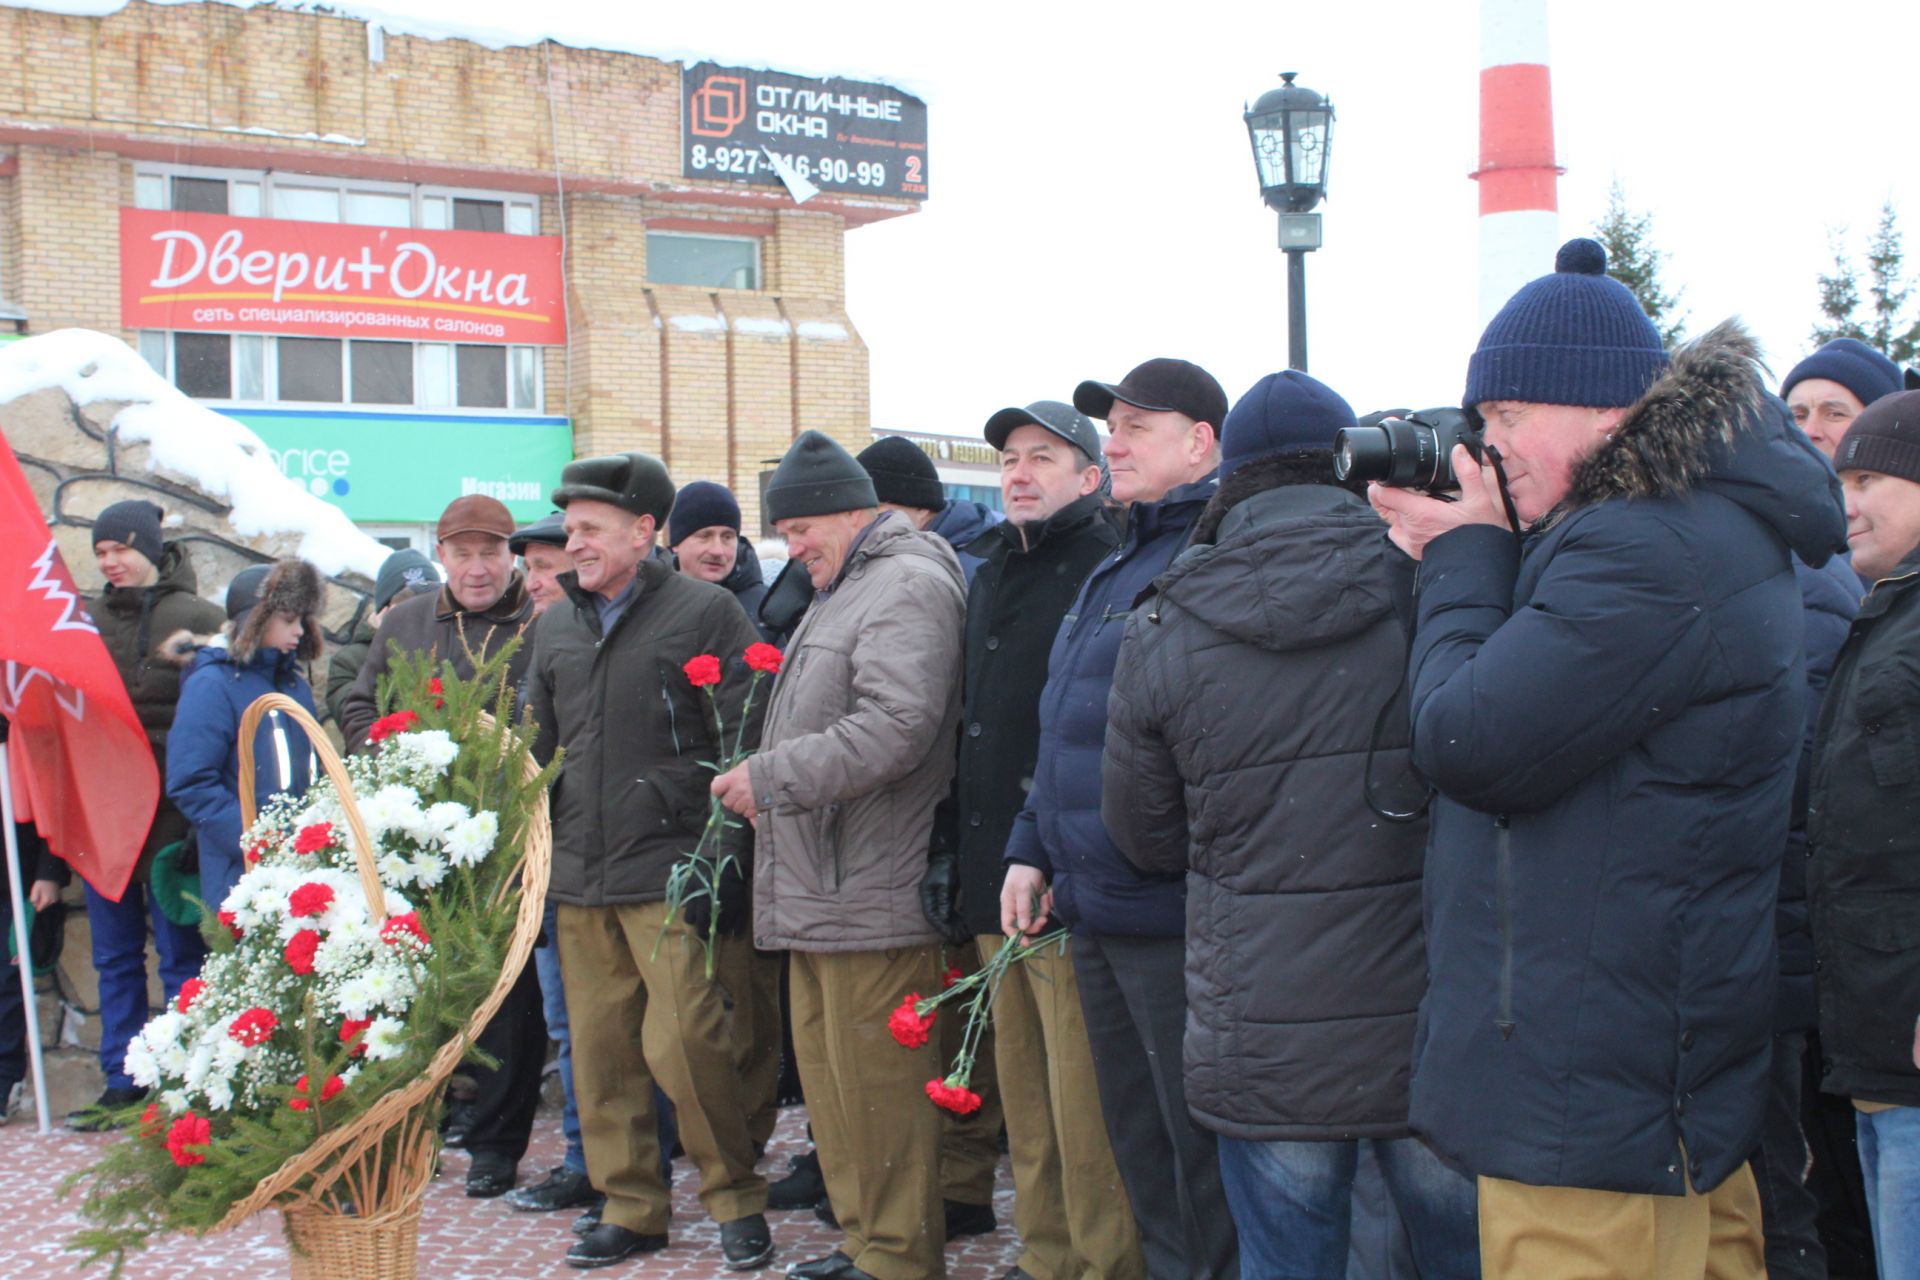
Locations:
(227, 918)
(433, 687)
(399, 927)
(314, 838)
(702, 670)
(764, 657)
(300, 1102)
(189, 992)
(951, 976)
(960, 1100)
(351, 1029)
(255, 1026)
(188, 1132)
(908, 1024)
(300, 949)
(387, 726)
(150, 1121)
(310, 899)
(255, 852)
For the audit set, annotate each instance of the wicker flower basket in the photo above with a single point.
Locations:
(353, 1199)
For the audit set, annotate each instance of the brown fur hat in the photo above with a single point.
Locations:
(291, 586)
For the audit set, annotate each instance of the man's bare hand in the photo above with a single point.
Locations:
(43, 894)
(1414, 519)
(735, 790)
(1026, 903)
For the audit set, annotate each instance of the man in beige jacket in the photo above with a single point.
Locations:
(856, 752)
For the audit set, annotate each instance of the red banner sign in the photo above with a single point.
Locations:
(205, 271)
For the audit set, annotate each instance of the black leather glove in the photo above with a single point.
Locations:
(735, 904)
(940, 896)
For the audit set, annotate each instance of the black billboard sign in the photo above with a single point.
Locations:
(749, 126)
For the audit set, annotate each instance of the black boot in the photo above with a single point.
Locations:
(802, 1188)
(747, 1243)
(564, 1188)
(606, 1244)
(99, 1117)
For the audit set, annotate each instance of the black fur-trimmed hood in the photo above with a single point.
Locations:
(292, 586)
(1708, 423)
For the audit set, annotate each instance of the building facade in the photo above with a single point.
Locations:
(422, 267)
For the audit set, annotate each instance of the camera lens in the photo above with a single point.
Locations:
(1362, 453)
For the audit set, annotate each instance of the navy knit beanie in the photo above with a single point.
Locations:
(1851, 363)
(134, 523)
(903, 474)
(699, 505)
(1284, 412)
(1575, 337)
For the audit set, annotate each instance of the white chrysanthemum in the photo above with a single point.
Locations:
(394, 869)
(392, 808)
(141, 1064)
(199, 1063)
(163, 1030)
(228, 1054)
(446, 816)
(384, 1039)
(429, 869)
(219, 1093)
(473, 839)
(175, 1101)
(430, 750)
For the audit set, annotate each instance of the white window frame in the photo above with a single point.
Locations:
(416, 193)
(758, 243)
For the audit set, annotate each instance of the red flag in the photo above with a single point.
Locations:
(82, 769)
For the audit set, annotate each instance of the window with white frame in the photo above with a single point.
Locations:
(260, 369)
(711, 262)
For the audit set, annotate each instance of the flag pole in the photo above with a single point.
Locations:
(23, 945)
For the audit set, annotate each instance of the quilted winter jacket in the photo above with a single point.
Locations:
(1612, 713)
(858, 749)
(1243, 709)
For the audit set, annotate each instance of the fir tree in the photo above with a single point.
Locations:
(1633, 260)
(1887, 326)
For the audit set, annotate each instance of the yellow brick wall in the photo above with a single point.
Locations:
(715, 401)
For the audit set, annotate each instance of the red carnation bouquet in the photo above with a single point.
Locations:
(911, 1022)
(701, 873)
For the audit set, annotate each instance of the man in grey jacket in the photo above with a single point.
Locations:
(856, 752)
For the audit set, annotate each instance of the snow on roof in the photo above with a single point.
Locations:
(225, 459)
(525, 27)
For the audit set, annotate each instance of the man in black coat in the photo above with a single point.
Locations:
(1069, 1208)
(1863, 837)
(1258, 705)
(1610, 707)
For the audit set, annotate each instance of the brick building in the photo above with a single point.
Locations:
(701, 318)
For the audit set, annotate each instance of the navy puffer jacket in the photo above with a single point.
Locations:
(960, 523)
(1613, 714)
(1095, 889)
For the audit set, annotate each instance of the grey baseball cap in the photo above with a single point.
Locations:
(1063, 420)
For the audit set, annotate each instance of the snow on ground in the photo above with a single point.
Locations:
(225, 459)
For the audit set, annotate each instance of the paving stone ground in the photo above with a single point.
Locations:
(460, 1239)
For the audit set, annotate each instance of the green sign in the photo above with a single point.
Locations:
(404, 468)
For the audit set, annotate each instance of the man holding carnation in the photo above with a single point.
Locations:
(611, 685)
(859, 750)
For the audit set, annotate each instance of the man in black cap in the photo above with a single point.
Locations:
(1163, 448)
(859, 751)
(905, 480)
(542, 548)
(1070, 1220)
(609, 686)
(151, 594)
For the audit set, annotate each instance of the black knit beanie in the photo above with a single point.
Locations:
(1884, 438)
(405, 570)
(699, 505)
(136, 523)
(817, 478)
(1851, 363)
(903, 474)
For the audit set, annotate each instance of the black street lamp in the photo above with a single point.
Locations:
(1292, 132)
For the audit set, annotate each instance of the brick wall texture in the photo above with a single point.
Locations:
(717, 382)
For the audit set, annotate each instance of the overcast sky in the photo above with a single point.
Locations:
(1093, 201)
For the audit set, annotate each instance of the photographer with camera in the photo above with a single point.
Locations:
(1610, 707)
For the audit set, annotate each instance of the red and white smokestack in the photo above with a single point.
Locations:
(1518, 177)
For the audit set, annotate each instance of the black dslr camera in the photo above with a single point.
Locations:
(1407, 450)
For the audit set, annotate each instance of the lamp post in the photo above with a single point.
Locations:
(1292, 133)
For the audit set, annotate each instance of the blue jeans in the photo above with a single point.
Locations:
(1292, 1203)
(120, 958)
(553, 1000)
(1890, 1160)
